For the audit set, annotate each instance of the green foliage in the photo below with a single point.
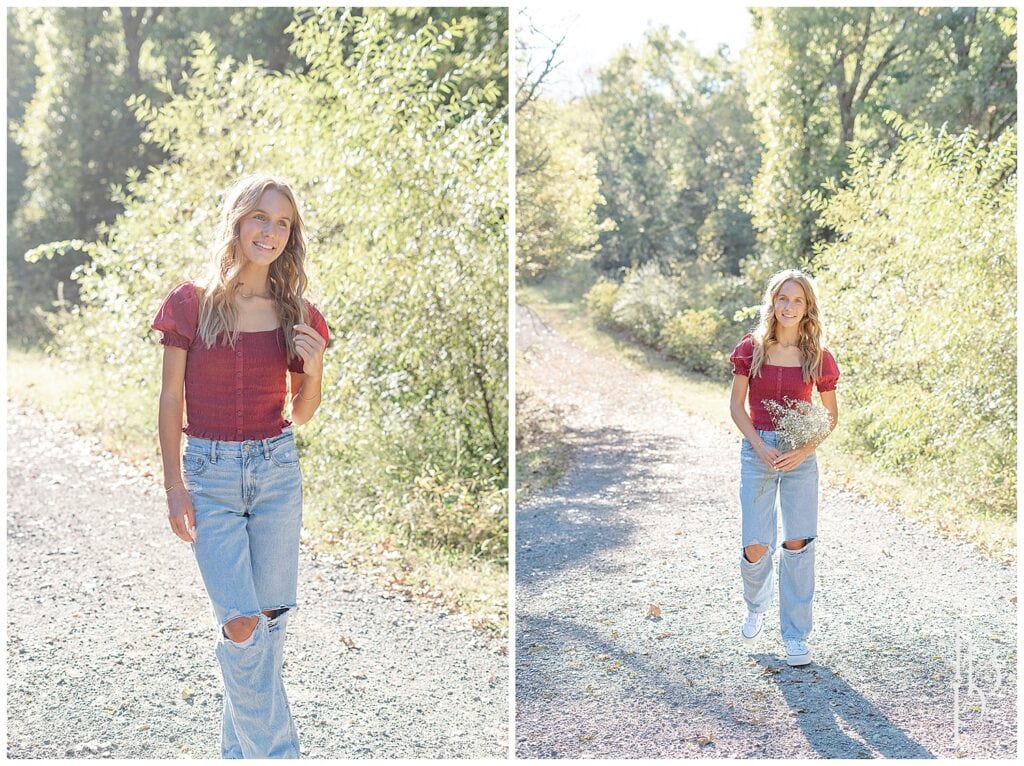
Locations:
(695, 339)
(821, 78)
(73, 72)
(557, 192)
(690, 315)
(676, 151)
(600, 302)
(646, 299)
(399, 165)
(920, 289)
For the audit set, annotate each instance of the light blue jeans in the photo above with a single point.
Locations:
(764, 495)
(248, 502)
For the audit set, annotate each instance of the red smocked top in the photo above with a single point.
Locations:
(775, 382)
(231, 394)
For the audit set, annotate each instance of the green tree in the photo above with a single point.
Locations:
(76, 135)
(557, 191)
(675, 151)
(821, 78)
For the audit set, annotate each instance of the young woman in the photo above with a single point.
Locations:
(782, 358)
(230, 344)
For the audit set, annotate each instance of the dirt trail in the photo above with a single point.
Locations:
(648, 514)
(110, 637)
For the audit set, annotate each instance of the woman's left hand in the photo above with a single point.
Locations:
(789, 461)
(310, 346)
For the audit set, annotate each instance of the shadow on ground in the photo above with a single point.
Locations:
(836, 720)
(590, 510)
(666, 703)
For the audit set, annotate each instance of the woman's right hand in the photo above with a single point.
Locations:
(181, 514)
(767, 453)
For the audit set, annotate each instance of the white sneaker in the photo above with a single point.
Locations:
(752, 626)
(797, 653)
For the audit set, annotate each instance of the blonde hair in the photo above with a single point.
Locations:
(810, 337)
(287, 278)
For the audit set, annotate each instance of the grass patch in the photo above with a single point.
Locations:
(126, 427)
(542, 452)
(559, 301)
(451, 580)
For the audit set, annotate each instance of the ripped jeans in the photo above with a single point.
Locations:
(248, 503)
(764, 495)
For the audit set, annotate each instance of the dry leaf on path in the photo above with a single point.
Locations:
(706, 739)
(654, 611)
(660, 636)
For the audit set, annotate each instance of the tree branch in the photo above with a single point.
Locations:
(526, 90)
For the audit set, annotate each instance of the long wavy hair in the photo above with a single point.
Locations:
(287, 278)
(810, 338)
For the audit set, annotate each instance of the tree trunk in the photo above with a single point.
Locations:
(132, 21)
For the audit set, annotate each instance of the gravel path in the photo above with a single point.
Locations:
(648, 514)
(110, 637)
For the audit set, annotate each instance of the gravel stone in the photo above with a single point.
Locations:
(111, 637)
(648, 514)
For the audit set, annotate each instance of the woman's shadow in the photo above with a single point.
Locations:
(828, 709)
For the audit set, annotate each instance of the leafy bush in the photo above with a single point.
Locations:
(920, 290)
(645, 301)
(400, 165)
(695, 338)
(600, 301)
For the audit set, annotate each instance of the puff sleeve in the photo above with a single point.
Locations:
(741, 356)
(829, 376)
(318, 323)
(178, 317)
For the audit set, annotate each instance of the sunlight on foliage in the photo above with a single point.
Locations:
(399, 163)
(921, 293)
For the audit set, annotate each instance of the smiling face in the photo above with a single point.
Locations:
(263, 232)
(790, 305)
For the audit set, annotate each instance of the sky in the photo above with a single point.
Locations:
(594, 35)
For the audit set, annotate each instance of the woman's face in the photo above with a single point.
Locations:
(790, 304)
(263, 232)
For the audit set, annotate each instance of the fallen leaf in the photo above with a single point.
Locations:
(654, 611)
(771, 670)
(186, 693)
(660, 636)
(706, 739)
(348, 642)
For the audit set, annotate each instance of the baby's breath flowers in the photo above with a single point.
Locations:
(798, 422)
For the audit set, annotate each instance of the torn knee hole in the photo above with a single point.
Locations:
(240, 629)
(753, 553)
(796, 545)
